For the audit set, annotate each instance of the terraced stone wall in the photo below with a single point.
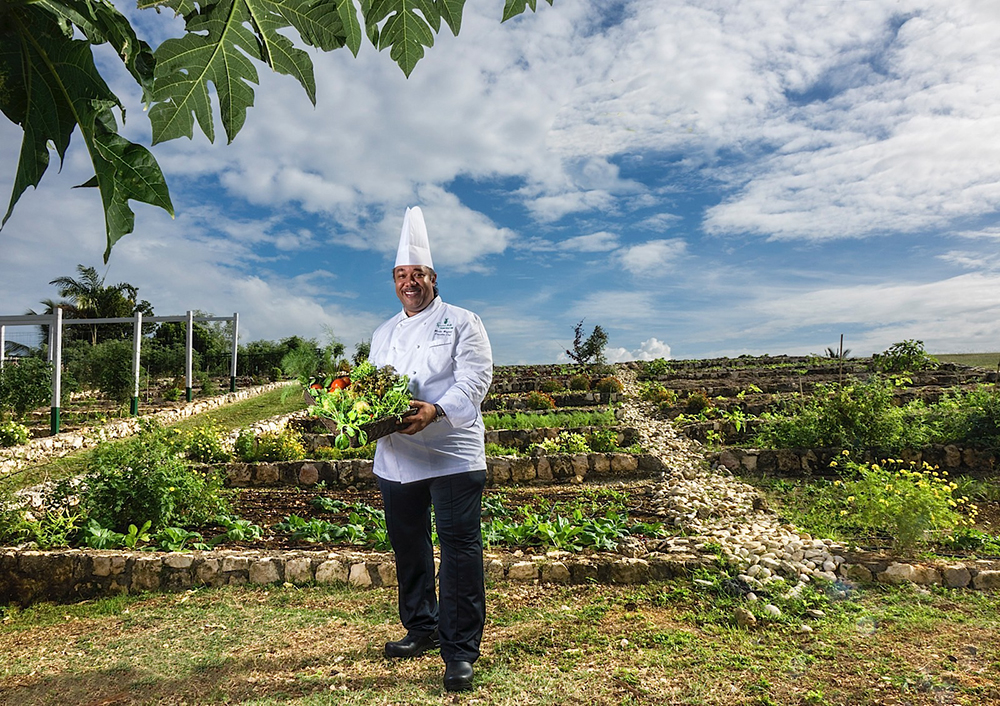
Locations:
(977, 463)
(500, 470)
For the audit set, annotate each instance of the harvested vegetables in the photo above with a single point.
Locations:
(368, 396)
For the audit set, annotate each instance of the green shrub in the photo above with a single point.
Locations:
(914, 505)
(284, 445)
(539, 401)
(13, 434)
(142, 479)
(498, 450)
(566, 443)
(205, 444)
(968, 418)
(608, 385)
(603, 440)
(657, 394)
(696, 402)
(274, 374)
(108, 367)
(11, 514)
(848, 416)
(656, 367)
(245, 446)
(25, 384)
(551, 385)
(579, 383)
(332, 453)
(208, 385)
(905, 356)
(51, 528)
(172, 394)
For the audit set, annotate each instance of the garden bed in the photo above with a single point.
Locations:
(267, 507)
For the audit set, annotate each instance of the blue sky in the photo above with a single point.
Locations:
(698, 178)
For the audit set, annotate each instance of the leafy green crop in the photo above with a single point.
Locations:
(373, 394)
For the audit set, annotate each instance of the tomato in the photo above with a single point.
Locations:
(339, 384)
(316, 386)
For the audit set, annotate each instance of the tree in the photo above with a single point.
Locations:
(591, 350)
(89, 298)
(50, 84)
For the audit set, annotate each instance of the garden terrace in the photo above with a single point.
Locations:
(701, 517)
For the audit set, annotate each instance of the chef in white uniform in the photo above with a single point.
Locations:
(438, 460)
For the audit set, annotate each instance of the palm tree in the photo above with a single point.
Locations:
(88, 298)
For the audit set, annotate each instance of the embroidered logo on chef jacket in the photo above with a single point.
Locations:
(444, 331)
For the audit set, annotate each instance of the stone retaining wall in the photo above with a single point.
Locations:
(517, 438)
(49, 447)
(28, 577)
(562, 399)
(500, 470)
(978, 463)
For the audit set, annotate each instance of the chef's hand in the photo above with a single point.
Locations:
(419, 421)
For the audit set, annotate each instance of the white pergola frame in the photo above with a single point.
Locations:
(55, 322)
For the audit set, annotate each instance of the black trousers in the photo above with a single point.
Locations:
(460, 613)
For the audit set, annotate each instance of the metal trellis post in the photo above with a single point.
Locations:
(189, 355)
(136, 351)
(55, 355)
(236, 338)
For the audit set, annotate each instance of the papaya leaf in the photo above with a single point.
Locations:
(325, 24)
(513, 8)
(101, 22)
(216, 49)
(219, 47)
(51, 86)
(124, 171)
(403, 30)
(451, 12)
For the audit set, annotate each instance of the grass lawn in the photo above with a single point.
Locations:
(980, 360)
(229, 417)
(665, 643)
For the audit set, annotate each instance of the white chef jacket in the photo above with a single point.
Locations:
(446, 354)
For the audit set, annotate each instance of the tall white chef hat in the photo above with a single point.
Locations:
(414, 248)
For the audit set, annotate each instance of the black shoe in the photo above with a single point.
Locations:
(412, 645)
(458, 676)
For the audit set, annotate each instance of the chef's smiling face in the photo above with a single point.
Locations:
(414, 287)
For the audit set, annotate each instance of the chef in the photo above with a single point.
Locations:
(438, 459)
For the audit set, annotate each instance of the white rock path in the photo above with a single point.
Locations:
(714, 508)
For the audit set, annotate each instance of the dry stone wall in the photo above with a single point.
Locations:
(500, 470)
(977, 463)
(28, 577)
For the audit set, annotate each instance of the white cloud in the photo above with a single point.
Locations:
(595, 242)
(654, 257)
(650, 349)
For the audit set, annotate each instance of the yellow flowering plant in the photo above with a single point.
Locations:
(913, 504)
